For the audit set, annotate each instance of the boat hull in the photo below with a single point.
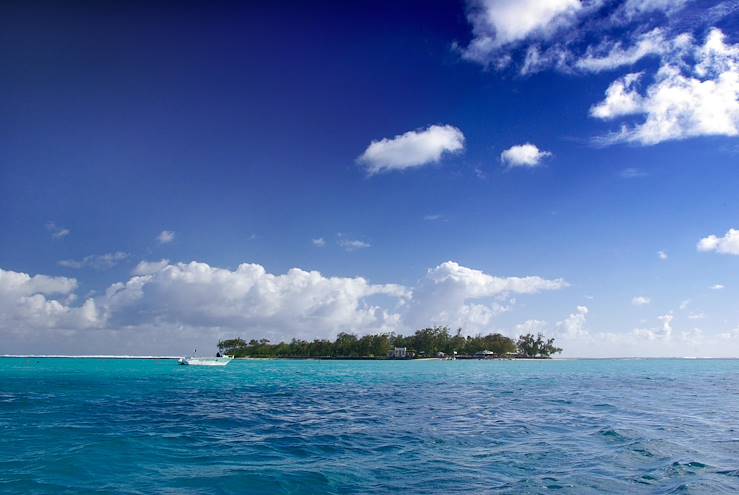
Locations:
(190, 361)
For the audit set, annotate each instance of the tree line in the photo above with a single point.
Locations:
(427, 342)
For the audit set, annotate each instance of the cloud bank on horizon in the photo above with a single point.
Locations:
(297, 304)
(187, 302)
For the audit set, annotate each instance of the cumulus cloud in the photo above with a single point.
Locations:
(56, 231)
(319, 242)
(534, 35)
(570, 329)
(297, 303)
(640, 300)
(162, 298)
(454, 295)
(663, 339)
(693, 93)
(663, 332)
(412, 149)
(497, 24)
(621, 99)
(728, 244)
(523, 155)
(581, 36)
(686, 99)
(717, 287)
(573, 326)
(168, 308)
(662, 255)
(149, 267)
(41, 302)
(165, 236)
(22, 284)
(96, 261)
(530, 326)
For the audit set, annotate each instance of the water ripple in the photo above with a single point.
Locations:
(135, 427)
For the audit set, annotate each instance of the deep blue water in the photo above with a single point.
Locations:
(586, 426)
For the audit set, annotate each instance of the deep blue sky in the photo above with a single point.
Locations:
(238, 127)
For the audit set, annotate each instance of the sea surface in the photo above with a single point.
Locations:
(567, 426)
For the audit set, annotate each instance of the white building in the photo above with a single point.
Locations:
(398, 353)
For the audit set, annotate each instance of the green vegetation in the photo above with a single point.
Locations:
(530, 346)
(428, 342)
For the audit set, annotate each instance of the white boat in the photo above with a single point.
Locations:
(205, 361)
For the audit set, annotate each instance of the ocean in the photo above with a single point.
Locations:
(78, 426)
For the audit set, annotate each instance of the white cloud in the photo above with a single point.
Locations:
(523, 155)
(454, 295)
(171, 301)
(22, 284)
(717, 287)
(728, 244)
(149, 267)
(612, 55)
(685, 100)
(412, 149)
(56, 231)
(478, 284)
(530, 327)
(168, 308)
(434, 217)
(660, 333)
(297, 303)
(632, 173)
(662, 255)
(635, 8)
(573, 326)
(96, 261)
(660, 340)
(41, 302)
(621, 98)
(499, 23)
(580, 36)
(640, 300)
(319, 242)
(350, 245)
(165, 236)
(570, 329)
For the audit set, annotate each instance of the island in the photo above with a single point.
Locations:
(433, 342)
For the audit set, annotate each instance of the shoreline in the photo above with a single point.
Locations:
(84, 356)
(276, 358)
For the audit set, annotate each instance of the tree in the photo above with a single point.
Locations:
(531, 346)
(426, 341)
(232, 347)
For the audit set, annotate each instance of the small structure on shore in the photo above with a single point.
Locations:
(399, 353)
(485, 354)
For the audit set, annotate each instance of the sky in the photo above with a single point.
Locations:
(173, 175)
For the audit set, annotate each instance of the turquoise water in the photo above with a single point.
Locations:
(135, 426)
